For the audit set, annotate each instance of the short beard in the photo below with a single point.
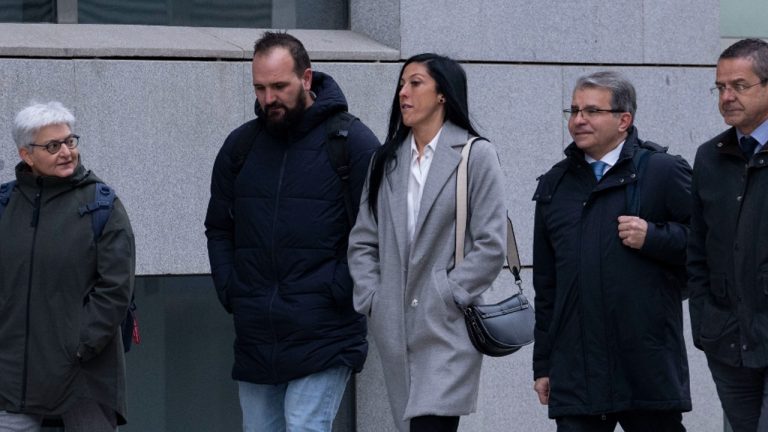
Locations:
(290, 119)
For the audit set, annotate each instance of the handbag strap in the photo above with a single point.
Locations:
(513, 256)
(461, 201)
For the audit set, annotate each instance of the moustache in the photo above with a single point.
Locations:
(274, 105)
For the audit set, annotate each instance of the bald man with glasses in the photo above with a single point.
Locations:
(728, 249)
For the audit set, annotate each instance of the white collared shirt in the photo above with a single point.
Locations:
(610, 158)
(417, 179)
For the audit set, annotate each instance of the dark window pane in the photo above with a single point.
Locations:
(151, 12)
(318, 14)
(27, 11)
(211, 13)
(179, 377)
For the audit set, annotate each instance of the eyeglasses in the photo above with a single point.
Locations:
(587, 113)
(54, 146)
(738, 88)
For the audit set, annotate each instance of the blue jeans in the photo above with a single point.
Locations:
(306, 404)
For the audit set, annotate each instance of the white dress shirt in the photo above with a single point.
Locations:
(417, 179)
(610, 158)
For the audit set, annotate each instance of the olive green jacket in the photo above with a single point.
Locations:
(63, 295)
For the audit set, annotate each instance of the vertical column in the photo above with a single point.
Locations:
(284, 14)
(66, 11)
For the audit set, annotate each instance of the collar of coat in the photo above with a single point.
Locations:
(727, 143)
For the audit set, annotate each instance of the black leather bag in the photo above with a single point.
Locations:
(494, 329)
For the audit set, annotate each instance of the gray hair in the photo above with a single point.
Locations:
(754, 49)
(36, 116)
(622, 91)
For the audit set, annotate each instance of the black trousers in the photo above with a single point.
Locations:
(630, 421)
(743, 393)
(434, 424)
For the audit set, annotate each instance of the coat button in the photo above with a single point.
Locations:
(744, 347)
(719, 144)
(738, 198)
(414, 302)
(621, 180)
(633, 175)
(733, 345)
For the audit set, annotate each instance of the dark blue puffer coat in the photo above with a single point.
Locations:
(277, 237)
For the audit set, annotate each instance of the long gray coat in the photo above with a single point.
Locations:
(413, 297)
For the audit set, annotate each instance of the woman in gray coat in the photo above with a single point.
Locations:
(401, 249)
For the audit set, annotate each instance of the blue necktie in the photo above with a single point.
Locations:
(598, 167)
(748, 146)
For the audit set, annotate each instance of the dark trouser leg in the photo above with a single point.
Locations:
(597, 423)
(434, 424)
(742, 393)
(656, 421)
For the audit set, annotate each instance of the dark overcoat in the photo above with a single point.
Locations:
(609, 321)
(728, 253)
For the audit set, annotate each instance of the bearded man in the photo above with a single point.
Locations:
(277, 225)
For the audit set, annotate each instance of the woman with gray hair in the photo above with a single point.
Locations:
(65, 284)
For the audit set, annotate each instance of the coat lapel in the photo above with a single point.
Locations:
(397, 182)
(445, 163)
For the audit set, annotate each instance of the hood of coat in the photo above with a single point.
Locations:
(329, 99)
(81, 177)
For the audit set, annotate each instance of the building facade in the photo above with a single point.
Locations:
(154, 104)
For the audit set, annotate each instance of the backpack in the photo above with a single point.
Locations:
(337, 131)
(100, 210)
(640, 162)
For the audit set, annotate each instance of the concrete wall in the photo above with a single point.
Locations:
(154, 109)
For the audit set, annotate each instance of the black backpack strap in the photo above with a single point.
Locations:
(640, 162)
(243, 146)
(337, 128)
(100, 209)
(5, 194)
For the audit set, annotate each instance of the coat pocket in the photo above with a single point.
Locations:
(715, 321)
(442, 286)
(715, 313)
(718, 287)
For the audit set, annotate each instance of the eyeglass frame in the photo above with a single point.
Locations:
(738, 88)
(588, 112)
(54, 146)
